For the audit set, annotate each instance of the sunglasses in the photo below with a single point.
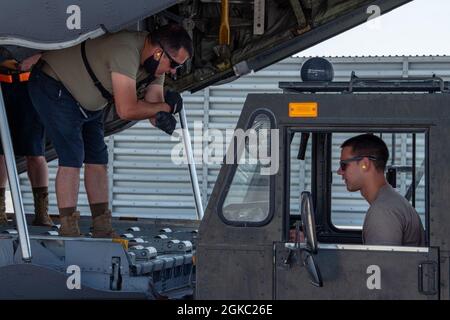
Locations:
(173, 64)
(344, 163)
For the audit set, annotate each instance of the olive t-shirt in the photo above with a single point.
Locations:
(392, 221)
(118, 52)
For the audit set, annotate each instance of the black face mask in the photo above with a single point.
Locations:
(150, 65)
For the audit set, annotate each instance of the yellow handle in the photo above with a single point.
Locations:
(224, 32)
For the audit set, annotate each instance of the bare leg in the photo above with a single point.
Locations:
(37, 171)
(67, 186)
(96, 183)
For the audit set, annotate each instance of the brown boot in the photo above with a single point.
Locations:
(41, 217)
(102, 227)
(69, 225)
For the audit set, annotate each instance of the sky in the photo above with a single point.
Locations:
(421, 27)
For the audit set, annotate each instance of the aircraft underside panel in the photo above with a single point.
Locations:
(53, 24)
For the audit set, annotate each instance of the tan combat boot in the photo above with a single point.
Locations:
(69, 225)
(102, 227)
(41, 217)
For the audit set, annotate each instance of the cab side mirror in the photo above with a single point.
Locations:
(308, 222)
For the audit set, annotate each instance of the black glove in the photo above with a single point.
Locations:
(166, 122)
(174, 100)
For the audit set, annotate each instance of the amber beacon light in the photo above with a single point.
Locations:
(303, 109)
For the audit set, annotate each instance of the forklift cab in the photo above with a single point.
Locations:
(302, 236)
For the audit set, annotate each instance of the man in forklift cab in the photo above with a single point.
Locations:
(70, 89)
(390, 220)
(27, 132)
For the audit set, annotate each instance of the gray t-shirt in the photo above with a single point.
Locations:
(391, 220)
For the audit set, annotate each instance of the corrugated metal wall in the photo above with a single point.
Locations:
(145, 183)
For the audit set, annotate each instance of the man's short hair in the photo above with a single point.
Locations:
(173, 37)
(369, 145)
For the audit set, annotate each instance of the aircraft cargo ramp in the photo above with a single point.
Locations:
(153, 259)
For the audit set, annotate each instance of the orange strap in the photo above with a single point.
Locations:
(10, 78)
(6, 78)
(24, 76)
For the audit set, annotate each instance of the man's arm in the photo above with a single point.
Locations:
(26, 64)
(154, 94)
(128, 107)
